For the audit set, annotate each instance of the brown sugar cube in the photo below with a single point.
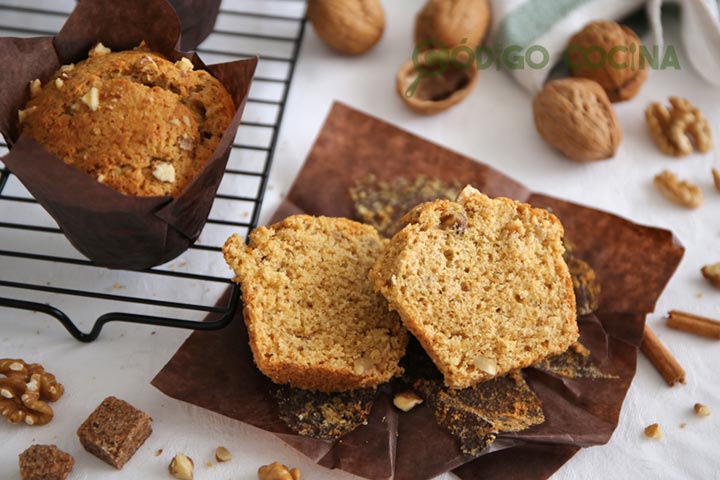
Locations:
(114, 431)
(45, 462)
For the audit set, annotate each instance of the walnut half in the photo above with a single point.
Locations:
(678, 191)
(25, 390)
(680, 129)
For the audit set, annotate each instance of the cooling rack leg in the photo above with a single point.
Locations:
(125, 317)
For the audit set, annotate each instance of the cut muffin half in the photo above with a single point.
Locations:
(481, 283)
(313, 318)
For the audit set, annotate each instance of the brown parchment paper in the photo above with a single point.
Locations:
(197, 19)
(633, 263)
(111, 229)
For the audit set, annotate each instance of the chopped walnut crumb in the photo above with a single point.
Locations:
(222, 454)
(165, 172)
(23, 114)
(99, 50)
(678, 191)
(92, 99)
(485, 364)
(702, 410)
(59, 83)
(406, 401)
(185, 142)
(716, 178)
(277, 471)
(653, 431)
(186, 121)
(35, 87)
(184, 64)
(175, 121)
(712, 273)
(181, 467)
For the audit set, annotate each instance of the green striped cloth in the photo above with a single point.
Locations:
(546, 26)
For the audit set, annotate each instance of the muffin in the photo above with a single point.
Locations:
(132, 120)
(313, 319)
(481, 283)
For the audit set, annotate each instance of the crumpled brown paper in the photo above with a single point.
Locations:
(633, 263)
(112, 229)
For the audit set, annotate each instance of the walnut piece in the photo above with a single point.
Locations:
(406, 401)
(712, 273)
(99, 50)
(165, 172)
(25, 390)
(277, 471)
(653, 431)
(23, 114)
(181, 467)
(716, 178)
(485, 364)
(679, 191)
(680, 129)
(456, 220)
(222, 454)
(702, 410)
(35, 87)
(92, 99)
(184, 65)
(59, 84)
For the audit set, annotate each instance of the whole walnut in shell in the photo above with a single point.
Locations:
(446, 23)
(349, 26)
(575, 116)
(608, 53)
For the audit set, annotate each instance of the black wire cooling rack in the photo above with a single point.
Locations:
(41, 272)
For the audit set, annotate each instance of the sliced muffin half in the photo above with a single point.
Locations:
(313, 318)
(481, 283)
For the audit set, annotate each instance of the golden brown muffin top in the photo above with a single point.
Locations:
(133, 120)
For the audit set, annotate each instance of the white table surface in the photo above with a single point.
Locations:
(493, 125)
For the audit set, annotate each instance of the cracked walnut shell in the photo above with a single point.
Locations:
(680, 129)
(575, 116)
(609, 54)
(434, 83)
(351, 27)
(25, 390)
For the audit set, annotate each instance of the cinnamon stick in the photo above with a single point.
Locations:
(695, 324)
(661, 358)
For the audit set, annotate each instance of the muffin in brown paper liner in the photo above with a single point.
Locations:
(197, 19)
(111, 229)
(633, 264)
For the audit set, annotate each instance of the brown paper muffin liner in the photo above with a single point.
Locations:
(197, 20)
(633, 264)
(111, 229)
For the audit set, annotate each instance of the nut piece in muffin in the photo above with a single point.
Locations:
(313, 319)
(133, 120)
(482, 284)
